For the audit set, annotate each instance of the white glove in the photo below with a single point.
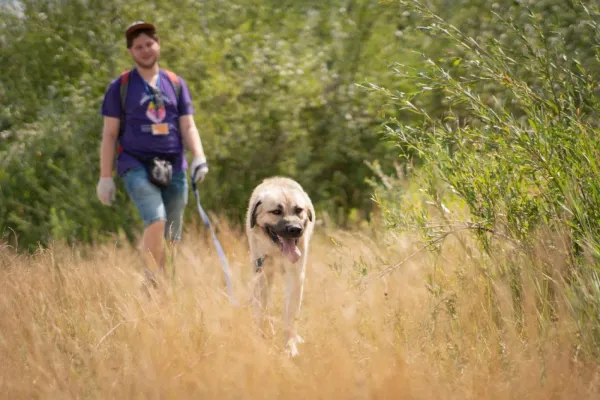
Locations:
(106, 191)
(198, 169)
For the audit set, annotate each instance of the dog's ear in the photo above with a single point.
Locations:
(253, 216)
(310, 216)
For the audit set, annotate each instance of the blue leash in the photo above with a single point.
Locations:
(220, 251)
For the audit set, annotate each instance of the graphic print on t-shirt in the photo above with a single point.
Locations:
(156, 113)
(156, 110)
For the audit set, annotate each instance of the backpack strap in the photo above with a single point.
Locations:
(124, 80)
(174, 79)
(124, 85)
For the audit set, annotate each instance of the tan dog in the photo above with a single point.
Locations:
(279, 224)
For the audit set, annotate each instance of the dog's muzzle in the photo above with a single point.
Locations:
(292, 232)
(286, 236)
(288, 230)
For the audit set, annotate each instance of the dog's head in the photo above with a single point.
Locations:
(283, 216)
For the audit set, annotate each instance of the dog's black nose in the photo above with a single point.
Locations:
(294, 230)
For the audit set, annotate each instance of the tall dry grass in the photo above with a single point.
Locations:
(74, 324)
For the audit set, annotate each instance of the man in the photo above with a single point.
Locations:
(156, 123)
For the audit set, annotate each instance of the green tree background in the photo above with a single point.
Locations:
(274, 85)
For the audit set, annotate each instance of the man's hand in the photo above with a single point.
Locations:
(198, 169)
(106, 191)
(191, 139)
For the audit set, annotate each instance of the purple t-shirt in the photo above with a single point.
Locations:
(140, 116)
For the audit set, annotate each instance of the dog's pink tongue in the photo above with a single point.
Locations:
(290, 250)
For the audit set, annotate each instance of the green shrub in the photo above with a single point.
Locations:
(516, 144)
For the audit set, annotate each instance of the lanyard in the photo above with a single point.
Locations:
(157, 98)
(153, 92)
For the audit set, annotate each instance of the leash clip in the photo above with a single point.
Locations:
(260, 261)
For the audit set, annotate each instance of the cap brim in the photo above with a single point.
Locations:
(137, 27)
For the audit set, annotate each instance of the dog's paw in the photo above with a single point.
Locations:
(291, 348)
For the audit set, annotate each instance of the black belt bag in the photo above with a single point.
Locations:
(160, 170)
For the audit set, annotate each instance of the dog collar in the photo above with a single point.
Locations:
(259, 262)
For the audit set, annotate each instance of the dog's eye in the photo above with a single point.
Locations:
(298, 210)
(276, 212)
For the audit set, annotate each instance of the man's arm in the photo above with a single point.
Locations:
(190, 135)
(110, 133)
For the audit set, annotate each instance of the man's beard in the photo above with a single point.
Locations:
(148, 64)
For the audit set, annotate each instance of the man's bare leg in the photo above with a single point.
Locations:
(153, 251)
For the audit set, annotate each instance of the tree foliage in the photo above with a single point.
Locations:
(514, 141)
(274, 86)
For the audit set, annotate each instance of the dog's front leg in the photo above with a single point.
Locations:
(260, 295)
(294, 285)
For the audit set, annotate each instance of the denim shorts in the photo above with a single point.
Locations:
(156, 204)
